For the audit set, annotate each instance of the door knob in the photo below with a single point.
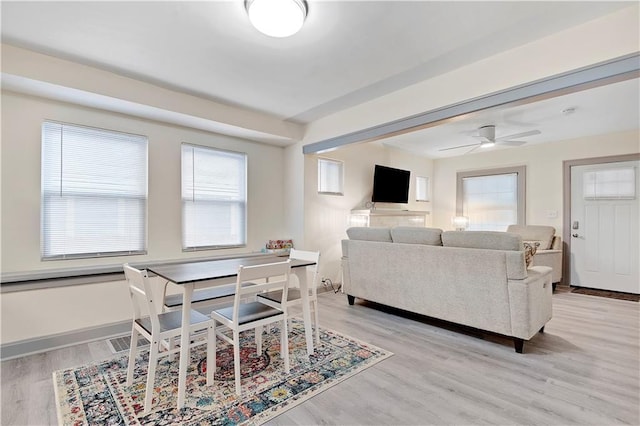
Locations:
(574, 235)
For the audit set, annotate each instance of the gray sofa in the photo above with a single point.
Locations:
(475, 278)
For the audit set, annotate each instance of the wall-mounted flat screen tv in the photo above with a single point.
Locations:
(390, 185)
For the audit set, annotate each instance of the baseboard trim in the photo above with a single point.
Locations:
(55, 341)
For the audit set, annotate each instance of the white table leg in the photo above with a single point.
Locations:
(185, 341)
(306, 309)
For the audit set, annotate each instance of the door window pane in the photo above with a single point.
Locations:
(618, 183)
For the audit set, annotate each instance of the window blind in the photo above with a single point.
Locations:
(94, 192)
(422, 188)
(491, 202)
(330, 176)
(214, 198)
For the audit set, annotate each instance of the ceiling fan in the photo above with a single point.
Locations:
(487, 136)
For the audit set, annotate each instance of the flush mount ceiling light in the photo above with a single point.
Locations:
(277, 18)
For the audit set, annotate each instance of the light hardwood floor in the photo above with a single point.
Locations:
(584, 370)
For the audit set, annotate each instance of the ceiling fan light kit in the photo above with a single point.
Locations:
(487, 134)
(277, 18)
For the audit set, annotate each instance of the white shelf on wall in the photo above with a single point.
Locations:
(388, 218)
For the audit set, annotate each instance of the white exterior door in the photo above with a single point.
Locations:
(604, 226)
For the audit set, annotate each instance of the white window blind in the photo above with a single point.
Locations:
(214, 198)
(94, 192)
(330, 176)
(422, 188)
(490, 202)
(617, 183)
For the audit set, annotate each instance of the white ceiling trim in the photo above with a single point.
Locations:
(84, 98)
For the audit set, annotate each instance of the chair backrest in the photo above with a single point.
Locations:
(542, 234)
(275, 275)
(141, 294)
(309, 256)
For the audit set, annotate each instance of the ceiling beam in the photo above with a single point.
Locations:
(600, 74)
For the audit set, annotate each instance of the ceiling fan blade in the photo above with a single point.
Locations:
(472, 149)
(511, 143)
(482, 138)
(459, 146)
(519, 135)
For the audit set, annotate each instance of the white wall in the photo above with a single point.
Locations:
(294, 193)
(31, 314)
(327, 216)
(544, 173)
(37, 313)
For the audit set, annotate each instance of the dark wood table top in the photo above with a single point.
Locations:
(191, 272)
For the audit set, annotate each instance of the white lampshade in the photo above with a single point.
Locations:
(277, 18)
(460, 222)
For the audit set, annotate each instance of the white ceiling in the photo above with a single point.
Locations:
(348, 52)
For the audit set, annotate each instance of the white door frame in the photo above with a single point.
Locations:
(566, 203)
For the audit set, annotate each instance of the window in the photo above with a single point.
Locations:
(214, 198)
(94, 192)
(422, 188)
(330, 179)
(492, 199)
(612, 184)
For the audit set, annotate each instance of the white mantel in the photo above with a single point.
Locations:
(388, 217)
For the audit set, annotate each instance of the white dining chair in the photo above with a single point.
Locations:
(161, 329)
(293, 297)
(245, 315)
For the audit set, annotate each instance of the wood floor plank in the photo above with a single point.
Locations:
(584, 370)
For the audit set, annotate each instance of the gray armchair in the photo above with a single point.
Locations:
(549, 252)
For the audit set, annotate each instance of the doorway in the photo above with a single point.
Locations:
(601, 221)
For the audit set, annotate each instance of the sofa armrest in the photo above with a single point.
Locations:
(556, 243)
(552, 259)
(530, 302)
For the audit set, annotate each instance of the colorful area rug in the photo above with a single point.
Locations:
(606, 293)
(96, 393)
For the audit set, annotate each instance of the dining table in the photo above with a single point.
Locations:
(192, 275)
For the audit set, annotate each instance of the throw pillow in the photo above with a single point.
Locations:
(530, 249)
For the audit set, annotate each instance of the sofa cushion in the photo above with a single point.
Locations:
(491, 240)
(535, 233)
(512, 243)
(417, 235)
(369, 234)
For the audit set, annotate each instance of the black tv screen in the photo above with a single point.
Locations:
(390, 185)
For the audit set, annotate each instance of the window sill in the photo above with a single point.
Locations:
(53, 278)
